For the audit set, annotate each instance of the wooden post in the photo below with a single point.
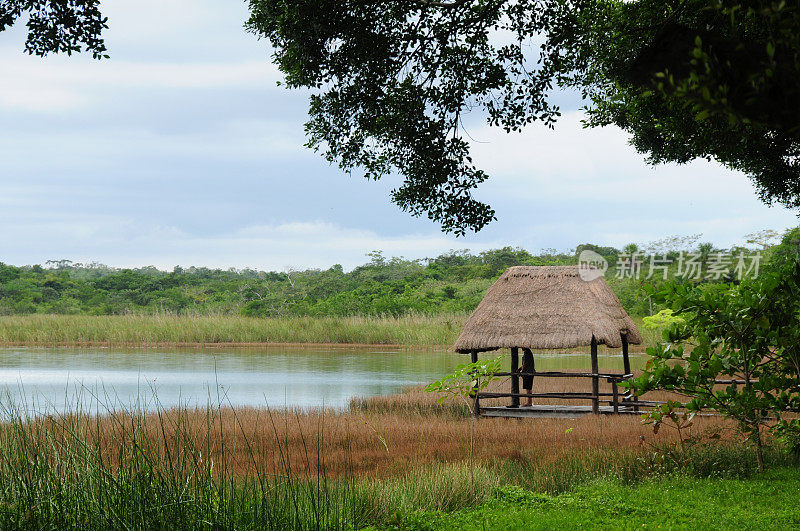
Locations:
(595, 379)
(626, 362)
(476, 407)
(615, 395)
(514, 377)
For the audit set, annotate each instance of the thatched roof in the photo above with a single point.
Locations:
(546, 308)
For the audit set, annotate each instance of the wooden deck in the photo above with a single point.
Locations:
(552, 411)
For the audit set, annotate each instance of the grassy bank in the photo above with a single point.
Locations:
(143, 330)
(767, 501)
(172, 330)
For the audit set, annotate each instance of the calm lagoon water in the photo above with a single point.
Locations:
(44, 380)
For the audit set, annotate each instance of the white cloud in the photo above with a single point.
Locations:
(57, 83)
(177, 45)
(125, 242)
(74, 72)
(579, 185)
(108, 145)
(186, 27)
(588, 162)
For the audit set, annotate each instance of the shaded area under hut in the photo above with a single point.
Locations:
(549, 308)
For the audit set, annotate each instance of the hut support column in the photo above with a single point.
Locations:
(627, 364)
(514, 377)
(476, 407)
(595, 379)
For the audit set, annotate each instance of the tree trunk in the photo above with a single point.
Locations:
(755, 434)
(759, 448)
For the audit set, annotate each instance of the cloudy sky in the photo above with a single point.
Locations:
(181, 149)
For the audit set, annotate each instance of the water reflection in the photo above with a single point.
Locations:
(58, 379)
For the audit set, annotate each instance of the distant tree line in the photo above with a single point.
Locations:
(453, 282)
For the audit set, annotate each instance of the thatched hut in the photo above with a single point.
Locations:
(549, 307)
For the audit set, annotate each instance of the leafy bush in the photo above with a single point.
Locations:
(788, 433)
(662, 319)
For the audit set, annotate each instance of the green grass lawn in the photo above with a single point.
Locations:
(767, 501)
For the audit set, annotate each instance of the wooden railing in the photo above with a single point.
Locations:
(617, 400)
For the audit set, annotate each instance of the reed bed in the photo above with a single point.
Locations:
(166, 330)
(232, 330)
(254, 468)
(248, 441)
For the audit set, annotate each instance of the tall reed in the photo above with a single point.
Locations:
(137, 330)
(165, 329)
(181, 468)
(56, 473)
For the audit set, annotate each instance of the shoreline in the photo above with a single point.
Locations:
(637, 349)
(210, 345)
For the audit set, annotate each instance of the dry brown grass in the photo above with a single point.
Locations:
(391, 437)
